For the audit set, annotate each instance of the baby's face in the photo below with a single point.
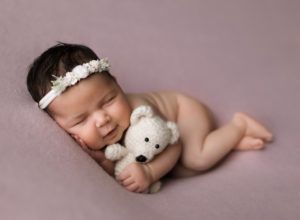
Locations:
(95, 111)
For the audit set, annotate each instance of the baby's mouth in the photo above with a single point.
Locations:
(111, 132)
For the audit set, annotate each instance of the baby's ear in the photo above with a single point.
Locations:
(140, 112)
(174, 131)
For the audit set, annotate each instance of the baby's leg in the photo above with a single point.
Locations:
(203, 147)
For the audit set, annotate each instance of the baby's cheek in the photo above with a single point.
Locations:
(91, 138)
(125, 116)
(126, 122)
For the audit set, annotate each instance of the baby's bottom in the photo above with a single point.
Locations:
(203, 145)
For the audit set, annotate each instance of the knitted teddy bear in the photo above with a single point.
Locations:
(147, 136)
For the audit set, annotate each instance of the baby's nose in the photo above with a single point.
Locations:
(141, 158)
(100, 121)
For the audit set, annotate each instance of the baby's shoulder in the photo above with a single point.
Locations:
(164, 103)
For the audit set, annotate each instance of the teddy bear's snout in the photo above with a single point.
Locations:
(141, 159)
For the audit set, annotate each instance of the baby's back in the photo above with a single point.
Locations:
(164, 103)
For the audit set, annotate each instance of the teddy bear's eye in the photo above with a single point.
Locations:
(157, 146)
(147, 139)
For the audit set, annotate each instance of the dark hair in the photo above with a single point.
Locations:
(56, 60)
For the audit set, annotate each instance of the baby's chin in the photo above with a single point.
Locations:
(122, 135)
(118, 137)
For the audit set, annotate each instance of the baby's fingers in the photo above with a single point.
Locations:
(124, 175)
(132, 187)
(127, 182)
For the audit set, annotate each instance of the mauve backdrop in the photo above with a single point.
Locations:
(233, 55)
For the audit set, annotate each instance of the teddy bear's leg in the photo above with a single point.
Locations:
(155, 187)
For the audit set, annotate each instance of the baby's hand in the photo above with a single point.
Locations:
(99, 157)
(135, 177)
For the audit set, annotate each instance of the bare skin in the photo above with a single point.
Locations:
(96, 112)
(203, 145)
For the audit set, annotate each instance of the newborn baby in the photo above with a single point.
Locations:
(77, 90)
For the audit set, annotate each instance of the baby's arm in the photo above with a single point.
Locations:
(138, 177)
(100, 158)
(164, 161)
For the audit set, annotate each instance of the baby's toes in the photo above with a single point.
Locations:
(257, 144)
(269, 137)
(255, 129)
(250, 143)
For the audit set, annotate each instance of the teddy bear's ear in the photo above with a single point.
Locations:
(139, 112)
(174, 132)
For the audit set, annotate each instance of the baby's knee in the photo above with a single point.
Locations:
(196, 163)
(179, 171)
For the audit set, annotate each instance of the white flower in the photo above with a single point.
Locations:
(80, 72)
(94, 65)
(59, 84)
(70, 79)
(104, 65)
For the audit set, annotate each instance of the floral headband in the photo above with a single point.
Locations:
(71, 78)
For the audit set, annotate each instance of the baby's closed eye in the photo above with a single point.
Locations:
(79, 122)
(108, 101)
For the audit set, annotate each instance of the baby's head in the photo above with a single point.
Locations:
(95, 110)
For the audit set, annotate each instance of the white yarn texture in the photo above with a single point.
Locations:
(147, 136)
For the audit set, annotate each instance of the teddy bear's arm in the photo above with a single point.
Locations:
(115, 152)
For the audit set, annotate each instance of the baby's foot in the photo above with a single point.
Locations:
(250, 143)
(254, 129)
